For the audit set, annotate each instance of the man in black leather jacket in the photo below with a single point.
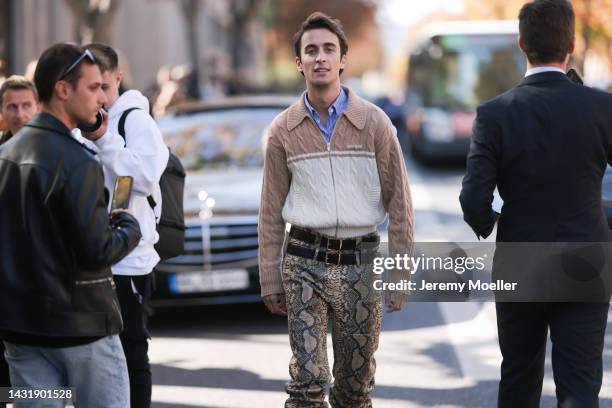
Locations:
(59, 315)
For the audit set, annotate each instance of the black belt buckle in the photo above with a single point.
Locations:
(332, 242)
(332, 251)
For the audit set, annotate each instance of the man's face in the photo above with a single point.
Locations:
(18, 107)
(87, 98)
(110, 85)
(320, 60)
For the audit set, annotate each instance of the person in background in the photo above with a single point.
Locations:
(18, 104)
(138, 152)
(545, 145)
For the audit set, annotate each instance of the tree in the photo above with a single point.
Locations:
(594, 28)
(94, 19)
(243, 14)
(190, 10)
(493, 9)
(236, 20)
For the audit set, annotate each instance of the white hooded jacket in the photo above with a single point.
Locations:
(144, 156)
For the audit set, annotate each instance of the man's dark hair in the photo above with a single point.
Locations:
(52, 65)
(320, 20)
(106, 54)
(15, 83)
(547, 30)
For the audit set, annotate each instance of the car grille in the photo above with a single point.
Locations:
(217, 244)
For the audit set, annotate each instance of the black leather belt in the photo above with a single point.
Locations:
(334, 244)
(332, 251)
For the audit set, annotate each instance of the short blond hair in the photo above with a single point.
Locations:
(16, 82)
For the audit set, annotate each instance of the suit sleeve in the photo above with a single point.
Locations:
(97, 243)
(481, 176)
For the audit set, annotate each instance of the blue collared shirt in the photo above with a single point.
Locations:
(334, 112)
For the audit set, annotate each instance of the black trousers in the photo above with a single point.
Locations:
(5, 381)
(134, 293)
(577, 334)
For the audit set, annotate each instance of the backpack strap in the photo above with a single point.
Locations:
(121, 129)
(151, 202)
(121, 126)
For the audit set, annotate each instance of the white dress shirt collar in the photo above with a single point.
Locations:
(539, 70)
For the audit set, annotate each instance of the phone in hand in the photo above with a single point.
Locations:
(122, 193)
(92, 127)
(573, 75)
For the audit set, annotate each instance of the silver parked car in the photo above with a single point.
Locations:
(221, 146)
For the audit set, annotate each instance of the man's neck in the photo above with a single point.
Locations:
(322, 98)
(60, 114)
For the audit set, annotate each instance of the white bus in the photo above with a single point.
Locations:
(456, 67)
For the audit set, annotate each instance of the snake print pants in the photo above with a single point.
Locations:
(317, 293)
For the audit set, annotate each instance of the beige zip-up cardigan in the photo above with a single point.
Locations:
(344, 188)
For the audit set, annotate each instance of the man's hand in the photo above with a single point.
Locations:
(115, 215)
(119, 210)
(395, 301)
(276, 304)
(93, 136)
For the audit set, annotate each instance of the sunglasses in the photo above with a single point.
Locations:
(86, 54)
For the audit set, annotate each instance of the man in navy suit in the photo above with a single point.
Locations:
(545, 144)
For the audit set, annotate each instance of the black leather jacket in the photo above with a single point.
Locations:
(5, 136)
(56, 241)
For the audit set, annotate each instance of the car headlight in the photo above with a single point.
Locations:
(437, 126)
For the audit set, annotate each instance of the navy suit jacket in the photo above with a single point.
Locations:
(545, 145)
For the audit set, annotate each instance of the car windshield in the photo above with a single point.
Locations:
(218, 139)
(459, 72)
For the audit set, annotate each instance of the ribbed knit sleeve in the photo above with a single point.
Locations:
(396, 194)
(271, 229)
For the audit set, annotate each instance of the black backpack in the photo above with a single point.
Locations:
(171, 226)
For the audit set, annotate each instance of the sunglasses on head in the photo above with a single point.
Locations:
(86, 54)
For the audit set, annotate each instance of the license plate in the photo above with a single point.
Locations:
(209, 281)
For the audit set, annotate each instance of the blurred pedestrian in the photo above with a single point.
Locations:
(30, 69)
(60, 317)
(2, 70)
(333, 169)
(18, 103)
(545, 145)
(180, 88)
(133, 146)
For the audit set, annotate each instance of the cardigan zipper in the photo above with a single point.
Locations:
(331, 165)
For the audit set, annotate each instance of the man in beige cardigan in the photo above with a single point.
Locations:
(333, 170)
